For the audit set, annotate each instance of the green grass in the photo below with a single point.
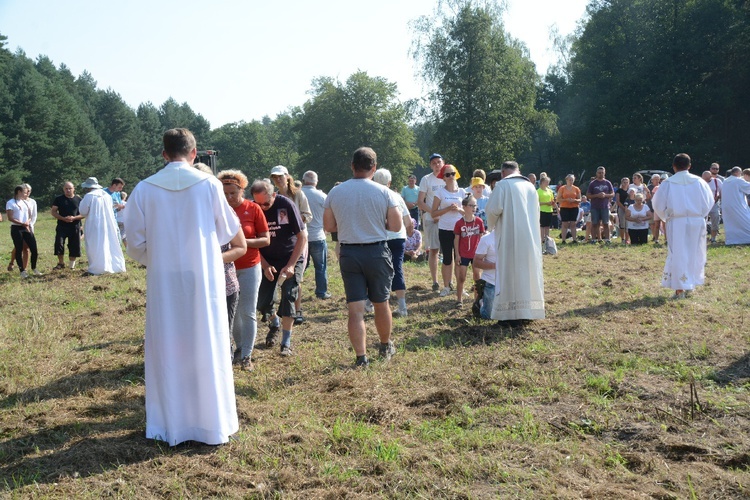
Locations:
(595, 398)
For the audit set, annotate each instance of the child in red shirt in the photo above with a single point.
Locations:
(468, 231)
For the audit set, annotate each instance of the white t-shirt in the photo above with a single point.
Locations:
(21, 210)
(447, 198)
(401, 235)
(429, 184)
(486, 247)
(643, 212)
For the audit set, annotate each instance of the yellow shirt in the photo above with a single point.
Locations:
(545, 196)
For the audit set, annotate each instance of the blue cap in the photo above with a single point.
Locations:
(434, 155)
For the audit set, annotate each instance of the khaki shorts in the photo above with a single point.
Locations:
(430, 235)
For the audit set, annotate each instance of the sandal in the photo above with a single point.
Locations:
(58, 267)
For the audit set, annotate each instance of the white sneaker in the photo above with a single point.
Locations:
(445, 291)
(36, 272)
(24, 274)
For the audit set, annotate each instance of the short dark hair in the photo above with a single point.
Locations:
(509, 165)
(681, 161)
(117, 180)
(178, 142)
(364, 159)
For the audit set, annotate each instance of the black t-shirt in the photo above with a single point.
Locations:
(624, 198)
(67, 206)
(284, 222)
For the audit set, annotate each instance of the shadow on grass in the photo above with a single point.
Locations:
(461, 332)
(646, 302)
(737, 373)
(75, 453)
(74, 385)
(104, 345)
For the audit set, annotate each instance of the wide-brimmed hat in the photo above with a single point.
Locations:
(477, 181)
(91, 183)
(279, 170)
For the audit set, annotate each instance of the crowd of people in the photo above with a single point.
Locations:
(240, 261)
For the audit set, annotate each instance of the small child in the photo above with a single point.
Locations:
(477, 189)
(468, 230)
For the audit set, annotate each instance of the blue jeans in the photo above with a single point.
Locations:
(488, 298)
(245, 321)
(318, 251)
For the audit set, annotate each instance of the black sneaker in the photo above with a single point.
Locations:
(236, 356)
(362, 362)
(435, 287)
(272, 337)
(286, 351)
(386, 351)
(299, 318)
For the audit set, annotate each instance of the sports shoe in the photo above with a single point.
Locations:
(299, 318)
(435, 286)
(445, 291)
(272, 337)
(246, 364)
(286, 351)
(236, 356)
(400, 313)
(24, 274)
(362, 362)
(325, 296)
(36, 272)
(386, 351)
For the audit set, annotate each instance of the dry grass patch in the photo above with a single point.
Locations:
(620, 393)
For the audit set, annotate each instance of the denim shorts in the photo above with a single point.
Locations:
(367, 272)
(599, 215)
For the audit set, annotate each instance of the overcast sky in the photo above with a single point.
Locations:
(241, 60)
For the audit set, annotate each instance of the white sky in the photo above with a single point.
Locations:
(234, 60)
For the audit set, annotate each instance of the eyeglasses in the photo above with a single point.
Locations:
(449, 174)
(470, 205)
(264, 205)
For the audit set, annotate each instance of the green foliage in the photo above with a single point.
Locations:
(484, 86)
(343, 117)
(257, 146)
(650, 78)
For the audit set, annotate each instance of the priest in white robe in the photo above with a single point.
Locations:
(177, 220)
(513, 210)
(102, 238)
(735, 210)
(683, 201)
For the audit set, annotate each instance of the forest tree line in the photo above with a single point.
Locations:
(639, 81)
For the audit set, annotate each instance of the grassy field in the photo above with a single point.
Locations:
(619, 393)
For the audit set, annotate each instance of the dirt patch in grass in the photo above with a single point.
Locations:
(620, 393)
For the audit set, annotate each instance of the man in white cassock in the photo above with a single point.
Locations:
(683, 201)
(513, 210)
(177, 220)
(735, 209)
(102, 239)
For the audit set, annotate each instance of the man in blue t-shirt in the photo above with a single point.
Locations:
(282, 262)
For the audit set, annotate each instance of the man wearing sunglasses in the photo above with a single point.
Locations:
(282, 262)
